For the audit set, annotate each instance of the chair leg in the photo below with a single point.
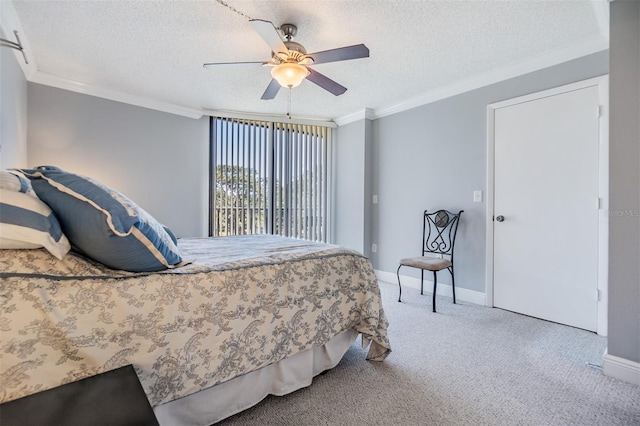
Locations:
(421, 282)
(453, 285)
(435, 287)
(399, 286)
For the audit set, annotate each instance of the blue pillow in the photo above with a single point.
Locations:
(103, 224)
(26, 222)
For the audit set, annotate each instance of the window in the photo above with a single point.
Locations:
(269, 178)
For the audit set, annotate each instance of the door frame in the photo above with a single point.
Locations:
(602, 83)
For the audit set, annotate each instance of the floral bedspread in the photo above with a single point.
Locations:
(243, 303)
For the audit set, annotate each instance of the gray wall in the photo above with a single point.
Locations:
(624, 181)
(13, 111)
(351, 191)
(158, 160)
(434, 156)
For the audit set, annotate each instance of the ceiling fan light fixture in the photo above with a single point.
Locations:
(289, 74)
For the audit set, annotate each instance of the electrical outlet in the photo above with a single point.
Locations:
(375, 199)
(374, 248)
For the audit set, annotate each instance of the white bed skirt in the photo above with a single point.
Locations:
(226, 399)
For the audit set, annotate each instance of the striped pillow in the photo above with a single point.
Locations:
(103, 224)
(26, 222)
(13, 180)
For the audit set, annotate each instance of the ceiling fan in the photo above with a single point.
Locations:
(290, 60)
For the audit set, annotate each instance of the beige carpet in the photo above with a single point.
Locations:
(465, 365)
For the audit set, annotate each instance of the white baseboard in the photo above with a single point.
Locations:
(462, 294)
(622, 369)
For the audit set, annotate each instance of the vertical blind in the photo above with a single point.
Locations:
(269, 178)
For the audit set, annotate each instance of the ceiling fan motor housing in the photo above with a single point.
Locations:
(296, 47)
(289, 31)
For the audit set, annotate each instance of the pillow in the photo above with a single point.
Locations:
(103, 224)
(26, 222)
(13, 180)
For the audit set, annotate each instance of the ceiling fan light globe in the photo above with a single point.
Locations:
(289, 74)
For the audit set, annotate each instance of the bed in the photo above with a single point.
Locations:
(211, 325)
(240, 318)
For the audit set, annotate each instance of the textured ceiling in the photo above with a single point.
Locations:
(155, 49)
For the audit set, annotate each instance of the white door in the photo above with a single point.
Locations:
(546, 208)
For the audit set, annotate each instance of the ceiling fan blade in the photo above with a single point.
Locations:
(269, 34)
(213, 64)
(341, 54)
(272, 90)
(325, 82)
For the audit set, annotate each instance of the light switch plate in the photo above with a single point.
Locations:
(477, 196)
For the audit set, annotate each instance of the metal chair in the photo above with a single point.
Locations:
(438, 237)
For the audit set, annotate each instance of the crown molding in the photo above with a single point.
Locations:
(589, 46)
(369, 114)
(113, 95)
(365, 113)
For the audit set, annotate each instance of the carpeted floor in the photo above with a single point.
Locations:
(465, 365)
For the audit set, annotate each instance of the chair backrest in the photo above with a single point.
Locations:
(439, 232)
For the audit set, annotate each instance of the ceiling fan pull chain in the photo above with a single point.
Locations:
(289, 104)
(233, 9)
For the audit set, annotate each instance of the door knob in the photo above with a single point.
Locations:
(500, 218)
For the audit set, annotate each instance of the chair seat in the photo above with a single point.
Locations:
(424, 262)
